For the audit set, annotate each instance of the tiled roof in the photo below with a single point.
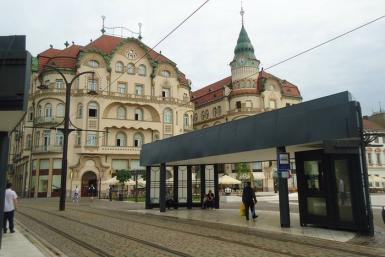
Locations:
(105, 43)
(371, 125)
(71, 51)
(211, 92)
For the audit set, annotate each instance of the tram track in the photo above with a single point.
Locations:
(178, 253)
(209, 236)
(73, 239)
(281, 238)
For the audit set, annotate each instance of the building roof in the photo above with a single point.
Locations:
(371, 125)
(244, 46)
(215, 91)
(105, 44)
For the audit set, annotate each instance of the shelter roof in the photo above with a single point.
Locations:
(304, 126)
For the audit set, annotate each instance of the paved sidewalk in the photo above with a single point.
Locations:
(17, 245)
(267, 220)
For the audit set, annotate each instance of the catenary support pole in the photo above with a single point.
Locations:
(284, 210)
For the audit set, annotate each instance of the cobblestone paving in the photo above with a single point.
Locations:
(119, 233)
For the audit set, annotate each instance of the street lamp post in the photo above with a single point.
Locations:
(66, 130)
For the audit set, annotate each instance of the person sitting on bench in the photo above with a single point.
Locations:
(209, 200)
(169, 200)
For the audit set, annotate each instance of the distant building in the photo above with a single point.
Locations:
(375, 153)
(138, 100)
(247, 91)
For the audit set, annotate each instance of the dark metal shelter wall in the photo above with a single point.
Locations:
(332, 123)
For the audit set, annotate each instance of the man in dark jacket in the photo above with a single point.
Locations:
(248, 197)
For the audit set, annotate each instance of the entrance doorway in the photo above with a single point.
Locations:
(325, 192)
(89, 178)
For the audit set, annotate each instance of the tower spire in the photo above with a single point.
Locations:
(242, 11)
(103, 30)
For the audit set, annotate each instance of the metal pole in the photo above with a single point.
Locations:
(284, 211)
(216, 186)
(189, 186)
(148, 187)
(4, 143)
(136, 186)
(365, 177)
(162, 188)
(66, 132)
(202, 169)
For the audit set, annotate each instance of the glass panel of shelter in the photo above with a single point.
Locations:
(154, 188)
(196, 184)
(182, 184)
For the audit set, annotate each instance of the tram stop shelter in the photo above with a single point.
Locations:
(324, 136)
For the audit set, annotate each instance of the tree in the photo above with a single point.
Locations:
(241, 169)
(122, 176)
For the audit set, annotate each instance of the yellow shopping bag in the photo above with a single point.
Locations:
(242, 210)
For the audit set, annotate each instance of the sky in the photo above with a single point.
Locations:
(204, 46)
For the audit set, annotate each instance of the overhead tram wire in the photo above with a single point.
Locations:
(164, 38)
(319, 45)
(160, 41)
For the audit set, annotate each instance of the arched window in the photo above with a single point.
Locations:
(165, 73)
(195, 116)
(214, 112)
(207, 114)
(167, 116)
(142, 70)
(60, 110)
(121, 113)
(120, 139)
(92, 110)
(48, 110)
(138, 114)
(79, 111)
(30, 114)
(119, 67)
(202, 115)
(39, 111)
(93, 63)
(59, 138)
(131, 68)
(219, 111)
(138, 140)
(186, 121)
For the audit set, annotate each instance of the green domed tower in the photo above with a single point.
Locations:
(244, 62)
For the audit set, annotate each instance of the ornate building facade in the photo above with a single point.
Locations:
(248, 91)
(138, 96)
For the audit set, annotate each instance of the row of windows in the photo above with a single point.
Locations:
(47, 111)
(216, 112)
(378, 157)
(131, 69)
(45, 136)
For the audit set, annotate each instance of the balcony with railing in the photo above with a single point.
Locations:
(244, 110)
(48, 120)
(137, 98)
(119, 150)
(48, 149)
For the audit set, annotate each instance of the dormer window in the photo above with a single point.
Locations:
(165, 73)
(93, 63)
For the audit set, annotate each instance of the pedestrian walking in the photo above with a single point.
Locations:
(76, 195)
(91, 191)
(248, 197)
(9, 208)
(110, 192)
